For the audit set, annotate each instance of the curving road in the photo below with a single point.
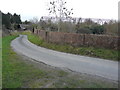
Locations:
(94, 66)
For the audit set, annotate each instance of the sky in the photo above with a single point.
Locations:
(102, 9)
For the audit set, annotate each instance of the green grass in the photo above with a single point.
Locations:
(16, 72)
(86, 51)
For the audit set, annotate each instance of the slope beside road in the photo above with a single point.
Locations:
(94, 66)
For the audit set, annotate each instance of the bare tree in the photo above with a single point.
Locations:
(34, 20)
(58, 9)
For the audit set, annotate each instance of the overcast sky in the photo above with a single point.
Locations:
(103, 9)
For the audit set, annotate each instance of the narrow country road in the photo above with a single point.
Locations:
(94, 66)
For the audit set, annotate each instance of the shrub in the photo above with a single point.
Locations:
(84, 31)
(98, 29)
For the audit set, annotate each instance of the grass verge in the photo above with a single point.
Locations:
(15, 72)
(86, 51)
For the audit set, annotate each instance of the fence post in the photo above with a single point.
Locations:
(83, 39)
(46, 36)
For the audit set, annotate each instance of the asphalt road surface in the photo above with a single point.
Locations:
(94, 66)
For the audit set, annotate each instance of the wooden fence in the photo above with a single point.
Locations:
(100, 41)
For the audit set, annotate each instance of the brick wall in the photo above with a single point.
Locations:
(101, 41)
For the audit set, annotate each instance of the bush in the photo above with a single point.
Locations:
(98, 29)
(84, 31)
(53, 27)
(17, 26)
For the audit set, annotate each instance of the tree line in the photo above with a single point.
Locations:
(87, 26)
(58, 10)
(11, 21)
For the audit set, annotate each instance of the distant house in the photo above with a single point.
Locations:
(23, 26)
